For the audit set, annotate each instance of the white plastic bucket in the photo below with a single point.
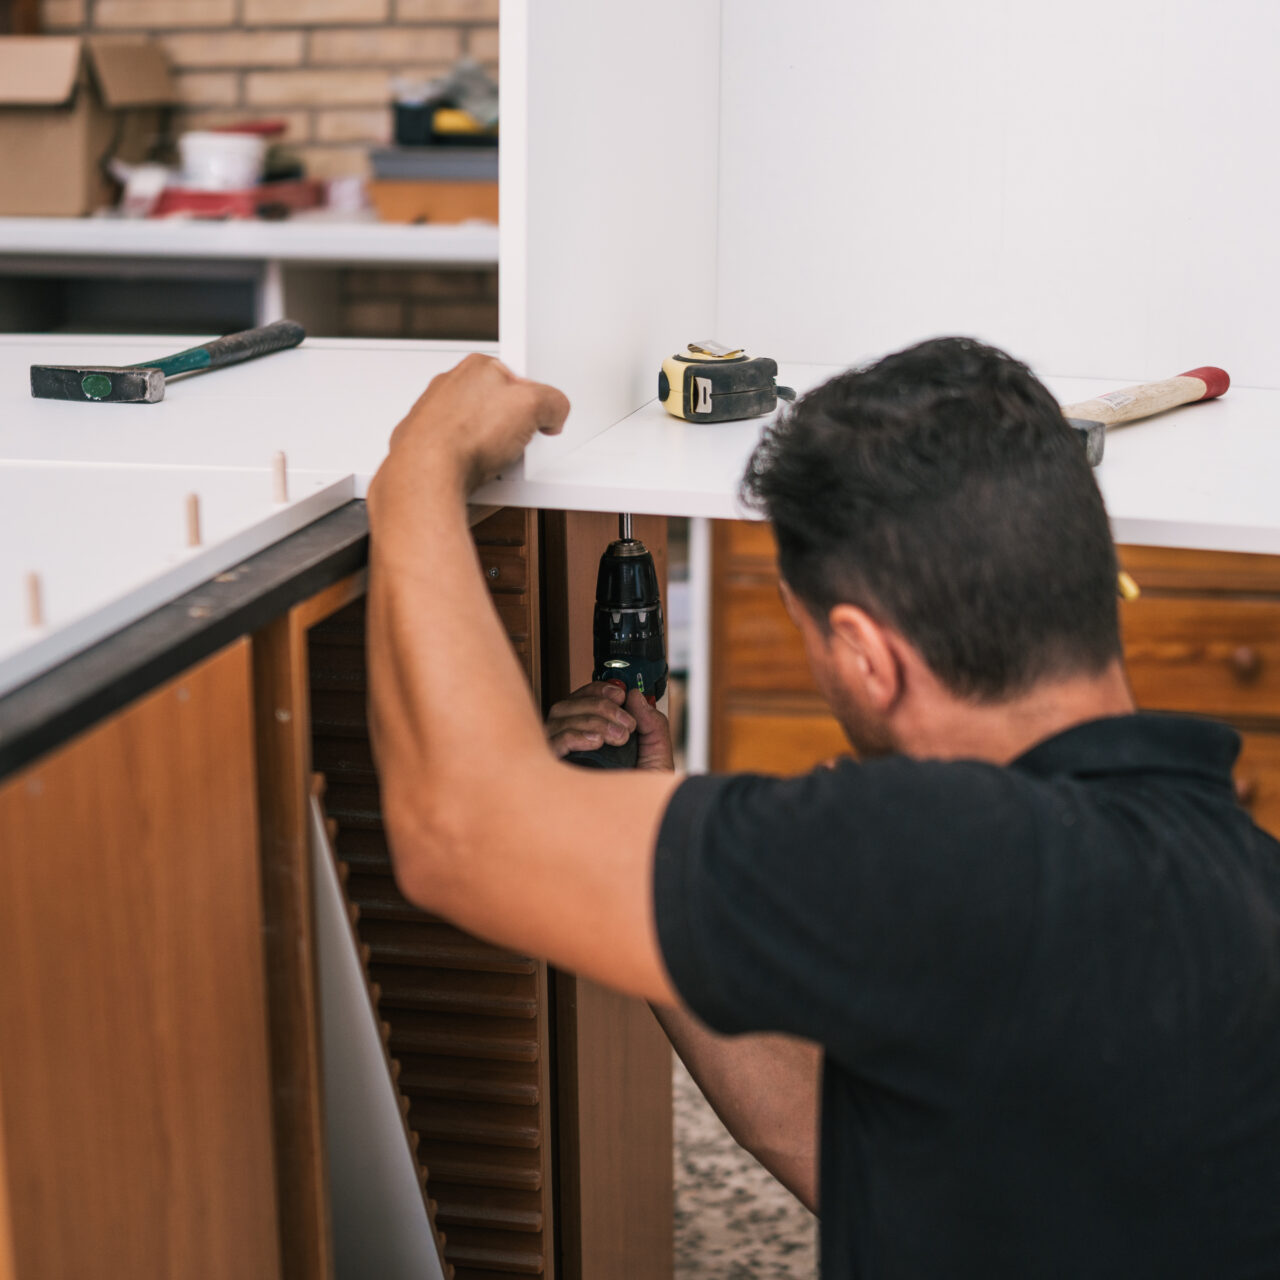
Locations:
(221, 161)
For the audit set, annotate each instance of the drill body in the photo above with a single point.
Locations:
(628, 641)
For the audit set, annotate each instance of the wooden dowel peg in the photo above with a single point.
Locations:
(193, 520)
(35, 601)
(279, 479)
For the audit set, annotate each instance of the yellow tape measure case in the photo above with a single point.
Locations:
(701, 385)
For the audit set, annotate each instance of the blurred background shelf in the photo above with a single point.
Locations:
(337, 278)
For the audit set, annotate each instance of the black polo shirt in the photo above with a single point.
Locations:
(1048, 995)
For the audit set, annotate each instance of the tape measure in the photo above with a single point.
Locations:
(708, 382)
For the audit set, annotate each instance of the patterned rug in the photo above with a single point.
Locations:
(733, 1220)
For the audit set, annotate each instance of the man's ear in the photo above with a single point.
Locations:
(869, 651)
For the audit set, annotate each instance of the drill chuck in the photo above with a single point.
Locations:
(626, 632)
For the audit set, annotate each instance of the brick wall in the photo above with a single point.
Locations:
(420, 304)
(323, 66)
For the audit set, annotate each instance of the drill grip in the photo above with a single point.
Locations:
(608, 757)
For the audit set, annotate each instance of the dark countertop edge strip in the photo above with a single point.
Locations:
(54, 706)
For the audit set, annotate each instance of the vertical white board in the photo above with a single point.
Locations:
(1089, 185)
(380, 1224)
(609, 173)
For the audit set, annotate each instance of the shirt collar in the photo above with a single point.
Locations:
(1141, 743)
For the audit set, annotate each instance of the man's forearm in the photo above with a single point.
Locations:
(485, 826)
(765, 1090)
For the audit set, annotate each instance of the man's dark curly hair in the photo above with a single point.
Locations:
(940, 490)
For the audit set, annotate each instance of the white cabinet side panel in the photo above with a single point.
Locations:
(380, 1224)
(614, 167)
(1085, 185)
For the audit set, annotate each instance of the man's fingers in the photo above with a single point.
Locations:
(648, 718)
(654, 746)
(600, 689)
(548, 407)
(607, 725)
(575, 740)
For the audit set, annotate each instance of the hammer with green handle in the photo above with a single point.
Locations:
(144, 383)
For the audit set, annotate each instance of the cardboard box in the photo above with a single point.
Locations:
(435, 201)
(67, 104)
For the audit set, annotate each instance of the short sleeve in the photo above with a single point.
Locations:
(883, 910)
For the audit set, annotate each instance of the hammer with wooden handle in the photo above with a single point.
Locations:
(1092, 417)
(144, 383)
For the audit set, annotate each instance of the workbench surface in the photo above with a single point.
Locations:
(94, 495)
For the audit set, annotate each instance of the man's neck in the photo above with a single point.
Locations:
(949, 728)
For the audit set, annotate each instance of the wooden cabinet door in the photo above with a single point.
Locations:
(134, 1080)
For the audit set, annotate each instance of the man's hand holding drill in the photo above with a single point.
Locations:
(600, 713)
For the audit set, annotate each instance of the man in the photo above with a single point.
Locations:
(1036, 943)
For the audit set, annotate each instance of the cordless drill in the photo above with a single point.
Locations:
(627, 641)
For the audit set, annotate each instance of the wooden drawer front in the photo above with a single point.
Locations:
(777, 742)
(1220, 657)
(746, 539)
(757, 646)
(1172, 569)
(1258, 779)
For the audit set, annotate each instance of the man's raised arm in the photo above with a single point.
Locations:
(486, 827)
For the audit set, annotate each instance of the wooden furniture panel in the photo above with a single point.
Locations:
(131, 944)
(1258, 778)
(755, 635)
(283, 738)
(613, 1060)
(780, 742)
(467, 1024)
(1219, 656)
(1202, 572)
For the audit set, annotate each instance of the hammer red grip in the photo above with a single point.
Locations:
(1215, 380)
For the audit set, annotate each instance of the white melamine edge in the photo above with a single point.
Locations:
(1202, 476)
(460, 245)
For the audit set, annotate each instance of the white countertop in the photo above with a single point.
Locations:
(300, 239)
(101, 484)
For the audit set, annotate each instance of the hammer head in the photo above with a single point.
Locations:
(96, 382)
(1093, 435)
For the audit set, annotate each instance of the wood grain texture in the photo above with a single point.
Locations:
(1204, 637)
(132, 1013)
(1140, 401)
(1258, 779)
(467, 1024)
(7, 1266)
(1217, 656)
(1201, 572)
(282, 731)
(780, 742)
(613, 1061)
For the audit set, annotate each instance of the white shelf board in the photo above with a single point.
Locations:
(109, 544)
(297, 240)
(330, 404)
(1203, 476)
